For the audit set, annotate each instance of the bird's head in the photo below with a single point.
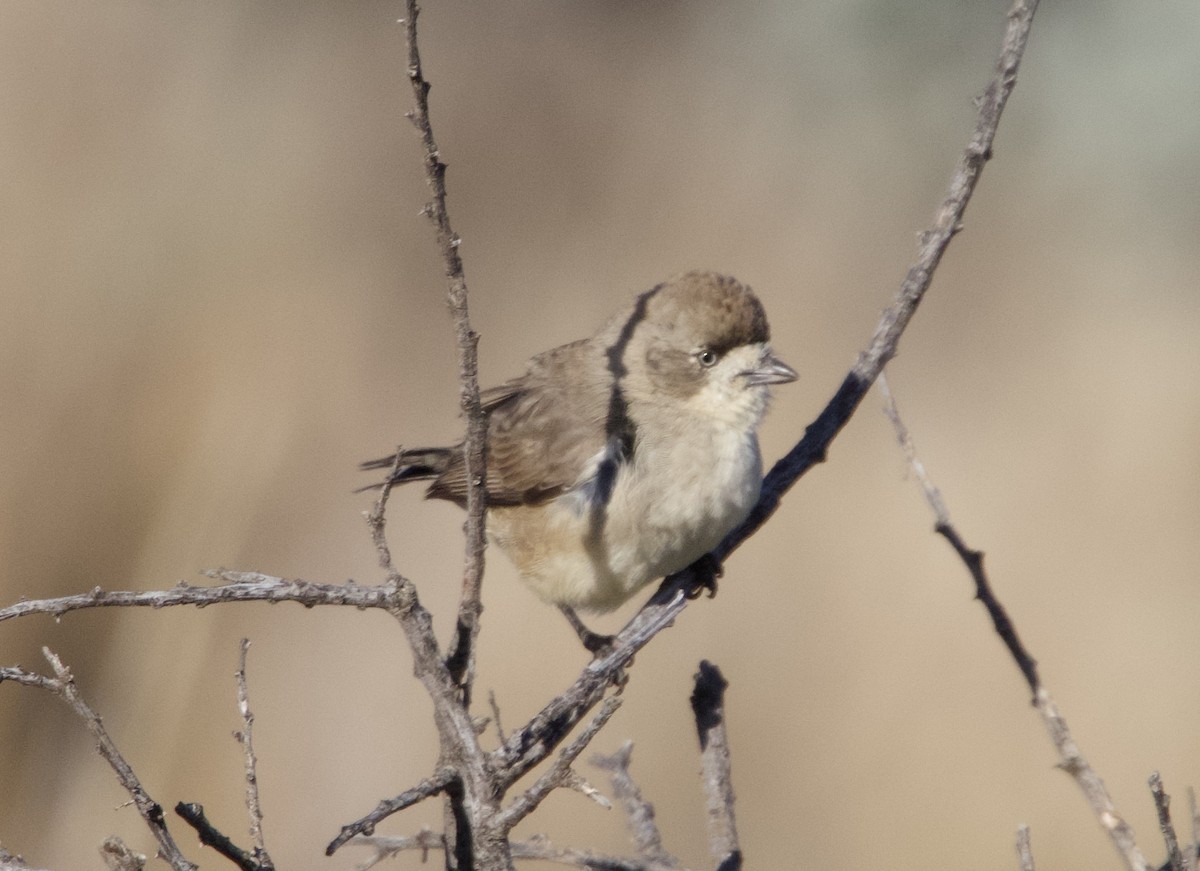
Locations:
(699, 344)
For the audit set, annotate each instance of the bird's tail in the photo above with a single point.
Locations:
(419, 464)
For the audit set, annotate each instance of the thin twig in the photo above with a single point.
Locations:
(536, 740)
(63, 686)
(973, 559)
(646, 836)
(116, 854)
(708, 708)
(1162, 806)
(210, 836)
(462, 772)
(243, 587)
(496, 716)
(560, 772)
(1193, 848)
(461, 656)
(471, 789)
(811, 449)
(536, 847)
(246, 739)
(1024, 849)
(9, 862)
(427, 788)
(1071, 759)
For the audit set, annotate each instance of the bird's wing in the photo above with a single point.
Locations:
(545, 428)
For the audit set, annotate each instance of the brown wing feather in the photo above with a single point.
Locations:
(542, 430)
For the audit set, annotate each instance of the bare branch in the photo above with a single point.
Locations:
(536, 847)
(1024, 849)
(1194, 847)
(9, 862)
(529, 745)
(708, 706)
(559, 773)
(431, 786)
(811, 449)
(461, 657)
(63, 686)
(540, 848)
(973, 559)
(244, 587)
(646, 835)
(116, 855)
(472, 790)
(211, 836)
(496, 716)
(1071, 759)
(1162, 806)
(246, 739)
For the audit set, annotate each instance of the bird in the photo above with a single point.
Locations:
(624, 457)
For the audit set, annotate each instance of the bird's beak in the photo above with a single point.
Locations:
(771, 370)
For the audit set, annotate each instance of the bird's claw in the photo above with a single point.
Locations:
(704, 574)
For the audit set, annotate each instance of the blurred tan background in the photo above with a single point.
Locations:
(218, 297)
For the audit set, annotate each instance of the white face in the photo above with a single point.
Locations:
(727, 395)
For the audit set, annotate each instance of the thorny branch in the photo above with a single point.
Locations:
(461, 654)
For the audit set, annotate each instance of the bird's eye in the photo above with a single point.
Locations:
(707, 358)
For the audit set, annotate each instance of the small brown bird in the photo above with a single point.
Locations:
(621, 458)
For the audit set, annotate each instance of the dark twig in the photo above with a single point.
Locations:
(63, 686)
(708, 707)
(461, 656)
(1071, 759)
(973, 559)
(211, 836)
(246, 738)
(1162, 806)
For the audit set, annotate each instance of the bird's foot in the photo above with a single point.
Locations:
(599, 646)
(704, 574)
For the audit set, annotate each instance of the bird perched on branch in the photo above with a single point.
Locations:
(622, 458)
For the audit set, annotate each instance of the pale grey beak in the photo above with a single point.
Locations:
(771, 370)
